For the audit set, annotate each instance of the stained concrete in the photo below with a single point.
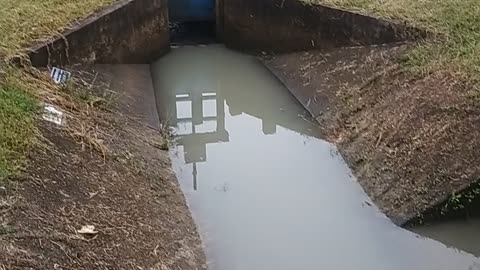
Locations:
(128, 32)
(291, 25)
(134, 92)
(137, 31)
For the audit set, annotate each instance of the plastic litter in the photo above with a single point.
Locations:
(52, 114)
(60, 76)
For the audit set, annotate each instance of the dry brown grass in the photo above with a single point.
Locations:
(458, 22)
(25, 21)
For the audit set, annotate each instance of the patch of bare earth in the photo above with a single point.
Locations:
(411, 141)
(111, 174)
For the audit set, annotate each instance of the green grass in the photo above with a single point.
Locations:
(457, 22)
(17, 129)
(23, 22)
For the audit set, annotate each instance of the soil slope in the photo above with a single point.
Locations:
(106, 169)
(413, 141)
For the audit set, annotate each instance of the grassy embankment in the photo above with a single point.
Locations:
(457, 23)
(23, 22)
(438, 91)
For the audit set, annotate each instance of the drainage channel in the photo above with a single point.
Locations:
(265, 190)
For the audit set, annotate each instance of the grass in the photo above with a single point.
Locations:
(22, 23)
(17, 110)
(456, 21)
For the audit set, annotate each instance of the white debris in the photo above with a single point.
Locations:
(88, 229)
(52, 114)
(64, 194)
(60, 76)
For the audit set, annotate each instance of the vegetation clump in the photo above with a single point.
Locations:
(23, 22)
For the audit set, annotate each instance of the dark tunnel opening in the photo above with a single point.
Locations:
(192, 22)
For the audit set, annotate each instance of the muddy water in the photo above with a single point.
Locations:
(463, 234)
(265, 190)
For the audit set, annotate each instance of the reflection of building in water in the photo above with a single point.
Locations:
(272, 112)
(200, 118)
(198, 88)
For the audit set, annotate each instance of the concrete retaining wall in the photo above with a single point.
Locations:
(137, 32)
(128, 32)
(290, 25)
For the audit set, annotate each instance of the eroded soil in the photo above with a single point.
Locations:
(412, 141)
(119, 181)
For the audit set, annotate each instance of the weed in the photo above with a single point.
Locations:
(455, 202)
(459, 202)
(17, 129)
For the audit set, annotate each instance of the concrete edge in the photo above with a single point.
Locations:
(127, 32)
(282, 26)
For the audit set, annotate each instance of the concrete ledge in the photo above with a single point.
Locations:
(128, 32)
(134, 86)
(291, 25)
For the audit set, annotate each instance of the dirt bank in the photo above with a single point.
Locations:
(412, 141)
(105, 168)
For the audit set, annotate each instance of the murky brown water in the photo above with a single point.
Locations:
(265, 190)
(463, 234)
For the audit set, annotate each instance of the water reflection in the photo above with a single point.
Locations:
(264, 189)
(200, 120)
(199, 107)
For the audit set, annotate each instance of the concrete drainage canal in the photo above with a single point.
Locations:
(266, 189)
